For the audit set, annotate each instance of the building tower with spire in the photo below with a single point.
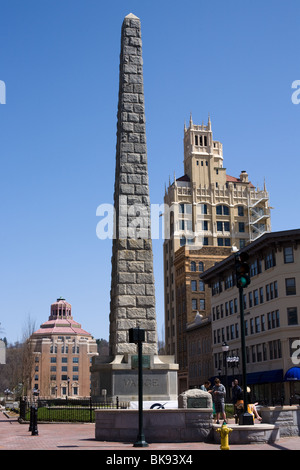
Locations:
(210, 214)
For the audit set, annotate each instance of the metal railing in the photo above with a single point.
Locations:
(66, 410)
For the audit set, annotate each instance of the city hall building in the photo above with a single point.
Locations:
(61, 355)
(271, 317)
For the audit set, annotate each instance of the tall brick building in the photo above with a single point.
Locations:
(210, 214)
(62, 353)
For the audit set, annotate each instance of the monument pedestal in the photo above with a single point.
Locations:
(119, 377)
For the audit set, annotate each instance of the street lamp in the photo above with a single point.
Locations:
(68, 380)
(233, 361)
(225, 349)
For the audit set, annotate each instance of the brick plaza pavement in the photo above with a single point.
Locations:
(65, 436)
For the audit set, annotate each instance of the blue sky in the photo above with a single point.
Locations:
(59, 61)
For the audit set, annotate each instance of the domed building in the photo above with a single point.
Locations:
(62, 354)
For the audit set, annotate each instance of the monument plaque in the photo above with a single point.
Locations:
(145, 362)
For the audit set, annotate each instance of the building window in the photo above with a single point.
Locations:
(288, 254)
(290, 286)
(275, 349)
(202, 304)
(194, 304)
(242, 243)
(255, 293)
(255, 268)
(228, 281)
(262, 322)
(201, 267)
(292, 316)
(193, 266)
(241, 227)
(231, 331)
(261, 295)
(226, 309)
(241, 211)
(201, 286)
(268, 292)
(194, 285)
(204, 209)
(223, 241)
(223, 227)
(273, 319)
(257, 325)
(270, 260)
(265, 355)
(222, 210)
(259, 352)
(250, 299)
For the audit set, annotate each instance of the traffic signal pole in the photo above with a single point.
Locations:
(246, 418)
(243, 280)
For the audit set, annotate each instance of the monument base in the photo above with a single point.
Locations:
(118, 376)
(181, 425)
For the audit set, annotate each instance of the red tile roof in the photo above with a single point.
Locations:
(61, 327)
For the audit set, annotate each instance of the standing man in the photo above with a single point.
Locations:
(218, 395)
(237, 396)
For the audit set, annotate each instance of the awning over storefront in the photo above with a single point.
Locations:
(267, 376)
(292, 374)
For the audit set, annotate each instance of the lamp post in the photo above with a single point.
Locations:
(225, 349)
(137, 335)
(233, 361)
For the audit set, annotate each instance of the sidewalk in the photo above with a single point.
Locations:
(15, 436)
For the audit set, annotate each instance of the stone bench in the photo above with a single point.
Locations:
(243, 434)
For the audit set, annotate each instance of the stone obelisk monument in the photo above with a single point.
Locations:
(132, 283)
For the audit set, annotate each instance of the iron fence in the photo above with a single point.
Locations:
(66, 410)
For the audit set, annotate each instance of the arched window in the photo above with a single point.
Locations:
(201, 267)
(193, 266)
(222, 210)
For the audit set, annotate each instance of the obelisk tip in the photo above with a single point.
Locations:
(131, 15)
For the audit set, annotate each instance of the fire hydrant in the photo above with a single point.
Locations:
(224, 431)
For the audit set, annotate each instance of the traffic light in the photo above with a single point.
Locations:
(242, 270)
